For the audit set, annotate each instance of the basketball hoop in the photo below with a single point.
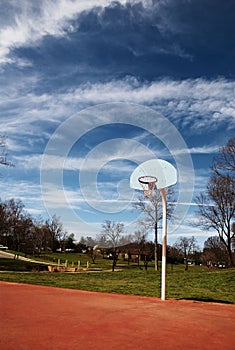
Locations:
(148, 184)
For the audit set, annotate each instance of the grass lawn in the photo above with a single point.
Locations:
(198, 283)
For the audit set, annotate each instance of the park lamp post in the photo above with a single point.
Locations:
(148, 176)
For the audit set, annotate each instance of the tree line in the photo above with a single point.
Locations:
(21, 232)
(185, 250)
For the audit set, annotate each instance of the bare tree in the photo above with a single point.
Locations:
(217, 203)
(214, 251)
(140, 236)
(126, 239)
(152, 215)
(88, 241)
(3, 224)
(140, 239)
(42, 237)
(225, 161)
(15, 216)
(112, 232)
(3, 152)
(58, 234)
(220, 214)
(173, 255)
(186, 246)
(233, 237)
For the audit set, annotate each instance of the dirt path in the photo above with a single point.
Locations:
(37, 317)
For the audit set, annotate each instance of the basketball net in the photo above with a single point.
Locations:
(148, 184)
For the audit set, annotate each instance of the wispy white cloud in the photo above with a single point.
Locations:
(26, 191)
(194, 103)
(204, 149)
(29, 162)
(183, 91)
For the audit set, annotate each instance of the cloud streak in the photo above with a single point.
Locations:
(198, 103)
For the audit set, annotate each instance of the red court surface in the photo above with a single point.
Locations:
(37, 317)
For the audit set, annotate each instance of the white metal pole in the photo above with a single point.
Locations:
(164, 232)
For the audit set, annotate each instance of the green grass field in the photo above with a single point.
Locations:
(198, 283)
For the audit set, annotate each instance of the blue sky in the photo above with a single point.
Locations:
(90, 89)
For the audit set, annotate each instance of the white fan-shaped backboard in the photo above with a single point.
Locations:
(165, 173)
